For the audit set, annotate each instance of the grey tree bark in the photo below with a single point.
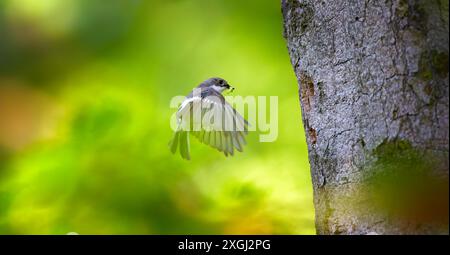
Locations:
(373, 87)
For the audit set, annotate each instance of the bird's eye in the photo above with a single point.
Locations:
(221, 82)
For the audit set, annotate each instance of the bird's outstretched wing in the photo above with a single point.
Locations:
(213, 121)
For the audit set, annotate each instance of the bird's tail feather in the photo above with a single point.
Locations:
(184, 145)
(173, 144)
(180, 139)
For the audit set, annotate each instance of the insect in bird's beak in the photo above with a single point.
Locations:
(229, 89)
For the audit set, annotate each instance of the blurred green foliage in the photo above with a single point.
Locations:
(85, 88)
(407, 184)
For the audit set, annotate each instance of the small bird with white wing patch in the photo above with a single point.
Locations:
(205, 114)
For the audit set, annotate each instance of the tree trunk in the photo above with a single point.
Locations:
(373, 86)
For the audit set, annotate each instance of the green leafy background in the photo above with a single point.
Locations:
(85, 88)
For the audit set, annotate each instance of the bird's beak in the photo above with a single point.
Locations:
(231, 88)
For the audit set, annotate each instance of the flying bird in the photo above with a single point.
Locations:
(205, 114)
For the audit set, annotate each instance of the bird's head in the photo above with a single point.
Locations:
(217, 84)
